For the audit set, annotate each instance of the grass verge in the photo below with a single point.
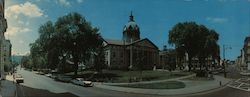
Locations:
(160, 85)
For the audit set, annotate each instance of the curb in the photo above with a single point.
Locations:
(123, 89)
(206, 91)
(145, 82)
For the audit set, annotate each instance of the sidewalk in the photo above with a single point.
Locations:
(191, 87)
(8, 88)
(155, 81)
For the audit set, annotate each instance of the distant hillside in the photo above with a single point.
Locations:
(17, 58)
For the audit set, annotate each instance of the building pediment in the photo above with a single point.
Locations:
(145, 43)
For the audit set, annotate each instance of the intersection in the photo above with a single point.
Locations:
(241, 84)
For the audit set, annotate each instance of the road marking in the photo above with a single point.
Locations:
(241, 84)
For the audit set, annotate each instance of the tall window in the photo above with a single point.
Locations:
(113, 54)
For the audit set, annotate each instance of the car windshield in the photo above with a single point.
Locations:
(125, 48)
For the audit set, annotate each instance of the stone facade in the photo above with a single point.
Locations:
(246, 53)
(3, 27)
(167, 57)
(7, 53)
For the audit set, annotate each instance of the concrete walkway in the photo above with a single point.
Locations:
(8, 88)
(155, 81)
(191, 87)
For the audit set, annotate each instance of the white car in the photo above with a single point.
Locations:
(81, 82)
(88, 84)
(48, 75)
(19, 78)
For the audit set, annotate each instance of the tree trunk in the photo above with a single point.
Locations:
(189, 63)
(75, 59)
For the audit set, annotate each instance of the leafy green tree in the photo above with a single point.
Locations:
(196, 40)
(99, 59)
(77, 38)
(180, 53)
(186, 34)
(26, 62)
(71, 37)
(211, 47)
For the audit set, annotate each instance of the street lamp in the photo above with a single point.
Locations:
(225, 47)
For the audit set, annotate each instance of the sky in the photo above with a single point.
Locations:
(230, 18)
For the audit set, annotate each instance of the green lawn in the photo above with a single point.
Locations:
(161, 85)
(118, 76)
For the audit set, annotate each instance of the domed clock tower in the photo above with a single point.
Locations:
(131, 31)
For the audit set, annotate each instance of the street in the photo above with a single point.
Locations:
(42, 86)
(33, 81)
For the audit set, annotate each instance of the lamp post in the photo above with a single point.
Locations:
(225, 47)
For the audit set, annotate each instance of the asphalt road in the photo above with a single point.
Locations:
(41, 86)
(233, 72)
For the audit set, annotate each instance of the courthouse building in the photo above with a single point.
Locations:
(125, 53)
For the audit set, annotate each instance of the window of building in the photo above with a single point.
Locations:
(248, 44)
(121, 54)
(113, 54)
(248, 51)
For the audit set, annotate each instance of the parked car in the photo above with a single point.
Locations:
(53, 76)
(77, 81)
(19, 78)
(82, 82)
(48, 75)
(88, 84)
(63, 78)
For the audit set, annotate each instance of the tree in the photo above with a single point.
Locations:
(71, 37)
(186, 35)
(41, 49)
(212, 47)
(77, 38)
(180, 53)
(196, 40)
(37, 58)
(99, 59)
(26, 62)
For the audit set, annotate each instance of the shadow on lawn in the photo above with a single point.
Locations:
(99, 77)
(24, 91)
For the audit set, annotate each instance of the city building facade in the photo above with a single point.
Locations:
(167, 57)
(246, 54)
(126, 53)
(7, 54)
(3, 27)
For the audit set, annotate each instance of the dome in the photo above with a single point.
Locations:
(131, 25)
(131, 30)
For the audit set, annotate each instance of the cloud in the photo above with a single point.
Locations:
(63, 2)
(227, 0)
(188, 0)
(14, 31)
(21, 41)
(26, 9)
(217, 20)
(79, 1)
(67, 2)
(23, 23)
